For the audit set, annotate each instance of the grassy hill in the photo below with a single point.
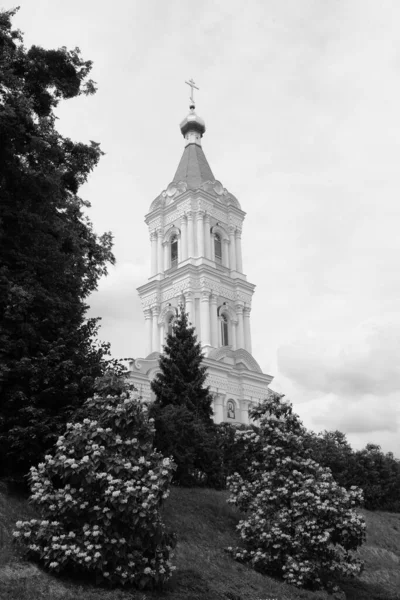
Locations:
(205, 524)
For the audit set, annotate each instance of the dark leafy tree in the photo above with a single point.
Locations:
(332, 450)
(182, 409)
(376, 473)
(50, 258)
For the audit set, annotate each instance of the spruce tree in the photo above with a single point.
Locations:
(182, 409)
(182, 376)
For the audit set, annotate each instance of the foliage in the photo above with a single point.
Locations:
(376, 473)
(301, 524)
(181, 380)
(232, 450)
(191, 443)
(50, 258)
(99, 497)
(182, 409)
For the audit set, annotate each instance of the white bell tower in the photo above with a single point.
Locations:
(195, 230)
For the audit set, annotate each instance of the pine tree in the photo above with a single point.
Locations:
(182, 409)
(182, 377)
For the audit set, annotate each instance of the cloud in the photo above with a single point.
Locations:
(362, 361)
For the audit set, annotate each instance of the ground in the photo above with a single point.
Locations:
(205, 525)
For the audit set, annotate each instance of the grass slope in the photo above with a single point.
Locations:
(205, 524)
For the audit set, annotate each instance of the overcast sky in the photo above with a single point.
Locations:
(301, 101)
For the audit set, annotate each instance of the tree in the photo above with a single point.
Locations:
(181, 380)
(182, 409)
(99, 495)
(299, 523)
(50, 258)
(331, 450)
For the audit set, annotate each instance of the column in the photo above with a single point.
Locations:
(240, 330)
(218, 408)
(184, 241)
(166, 256)
(160, 253)
(239, 260)
(205, 318)
(232, 249)
(233, 333)
(214, 321)
(207, 236)
(244, 409)
(190, 235)
(147, 320)
(153, 238)
(189, 306)
(200, 233)
(155, 347)
(225, 252)
(247, 331)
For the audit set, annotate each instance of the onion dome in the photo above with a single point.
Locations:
(193, 124)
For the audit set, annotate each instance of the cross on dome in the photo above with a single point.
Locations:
(192, 85)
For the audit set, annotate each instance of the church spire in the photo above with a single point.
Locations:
(193, 167)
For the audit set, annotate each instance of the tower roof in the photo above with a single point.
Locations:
(193, 167)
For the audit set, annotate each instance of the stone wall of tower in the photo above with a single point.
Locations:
(185, 269)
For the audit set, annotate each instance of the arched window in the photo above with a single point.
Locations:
(170, 325)
(174, 251)
(218, 248)
(224, 330)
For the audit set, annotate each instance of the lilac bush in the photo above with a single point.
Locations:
(299, 523)
(99, 497)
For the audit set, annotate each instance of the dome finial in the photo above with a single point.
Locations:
(193, 87)
(193, 126)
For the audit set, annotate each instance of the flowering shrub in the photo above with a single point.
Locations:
(100, 496)
(301, 525)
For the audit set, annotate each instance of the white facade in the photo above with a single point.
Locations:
(195, 230)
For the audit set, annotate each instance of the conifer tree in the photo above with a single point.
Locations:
(182, 377)
(182, 409)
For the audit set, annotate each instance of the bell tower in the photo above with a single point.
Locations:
(195, 227)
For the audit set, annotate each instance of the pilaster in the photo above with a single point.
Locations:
(153, 239)
(232, 249)
(247, 330)
(148, 322)
(238, 243)
(190, 233)
(214, 321)
(240, 329)
(160, 254)
(207, 235)
(200, 232)
(184, 240)
(155, 347)
(205, 317)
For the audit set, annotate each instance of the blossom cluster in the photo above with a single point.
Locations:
(100, 495)
(300, 524)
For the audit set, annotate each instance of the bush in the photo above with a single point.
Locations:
(301, 524)
(99, 497)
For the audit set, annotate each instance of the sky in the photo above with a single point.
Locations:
(301, 102)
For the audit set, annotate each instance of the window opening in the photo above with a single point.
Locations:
(171, 325)
(174, 251)
(224, 330)
(218, 249)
